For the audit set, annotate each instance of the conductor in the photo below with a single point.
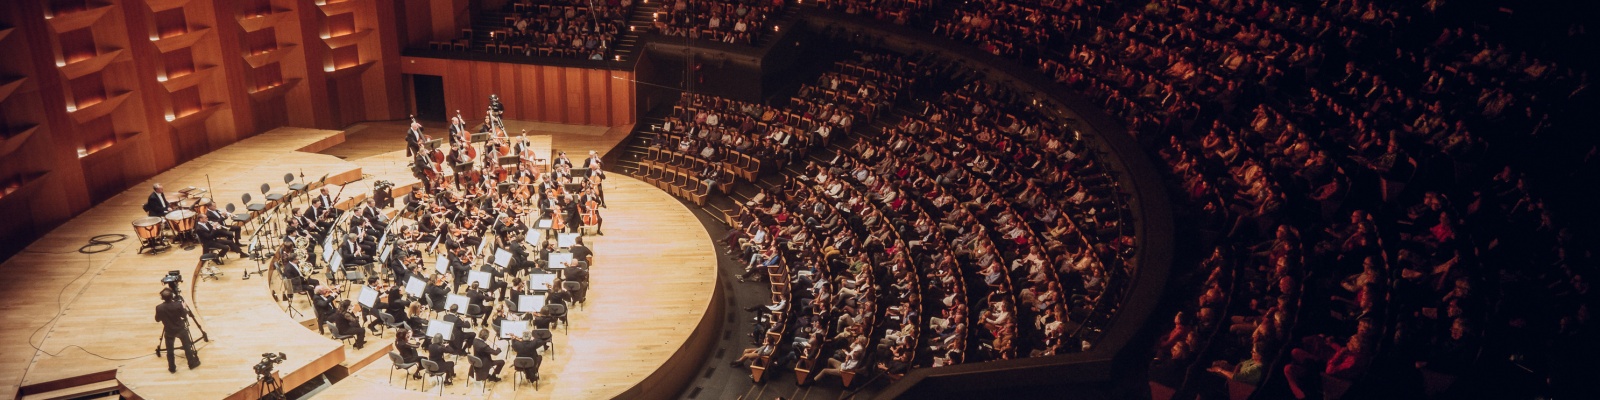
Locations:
(174, 318)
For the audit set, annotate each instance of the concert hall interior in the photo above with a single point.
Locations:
(815, 199)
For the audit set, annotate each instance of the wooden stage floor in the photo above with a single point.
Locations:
(71, 314)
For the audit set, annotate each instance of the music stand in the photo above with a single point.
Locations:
(441, 327)
(541, 282)
(558, 260)
(530, 303)
(483, 279)
(566, 239)
(502, 258)
(456, 300)
(368, 297)
(415, 286)
(512, 329)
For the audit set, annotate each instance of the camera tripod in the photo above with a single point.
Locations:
(271, 388)
(160, 339)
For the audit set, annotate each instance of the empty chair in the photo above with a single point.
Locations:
(474, 312)
(252, 207)
(472, 374)
(295, 189)
(334, 329)
(400, 364)
(576, 289)
(433, 371)
(557, 311)
(547, 337)
(522, 365)
(389, 321)
(240, 217)
(271, 197)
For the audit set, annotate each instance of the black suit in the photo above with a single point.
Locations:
(529, 349)
(221, 218)
(413, 141)
(353, 254)
(323, 307)
(436, 352)
(491, 367)
(213, 236)
(156, 205)
(175, 325)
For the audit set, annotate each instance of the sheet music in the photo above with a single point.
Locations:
(502, 257)
(336, 262)
(442, 264)
(566, 239)
(383, 241)
(541, 281)
(456, 300)
(543, 224)
(328, 250)
(368, 296)
(534, 236)
(558, 260)
(383, 256)
(511, 329)
(414, 286)
(442, 328)
(530, 303)
(484, 279)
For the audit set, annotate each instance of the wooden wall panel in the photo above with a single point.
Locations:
(115, 91)
(530, 92)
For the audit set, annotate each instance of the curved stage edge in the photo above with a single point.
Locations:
(649, 322)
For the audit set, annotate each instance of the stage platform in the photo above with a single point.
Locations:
(76, 320)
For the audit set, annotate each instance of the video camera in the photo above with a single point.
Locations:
(268, 360)
(172, 279)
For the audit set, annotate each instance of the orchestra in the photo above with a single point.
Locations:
(480, 195)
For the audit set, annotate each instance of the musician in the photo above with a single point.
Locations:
(457, 126)
(212, 237)
(593, 162)
(589, 202)
(328, 205)
(373, 215)
(353, 253)
(437, 349)
(407, 349)
(157, 205)
(561, 160)
(414, 139)
(437, 292)
(221, 217)
(174, 318)
(460, 264)
(461, 161)
(488, 124)
(581, 252)
(491, 367)
(574, 219)
(399, 259)
(348, 323)
(296, 277)
(530, 349)
(322, 306)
